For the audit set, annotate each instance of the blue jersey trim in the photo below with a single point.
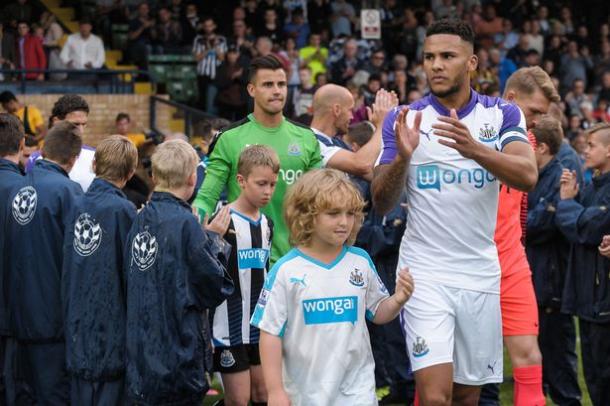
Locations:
(362, 253)
(248, 219)
(512, 138)
(320, 263)
(370, 316)
(515, 129)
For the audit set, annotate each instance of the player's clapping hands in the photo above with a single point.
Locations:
(568, 186)
(458, 134)
(604, 247)
(220, 223)
(407, 138)
(384, 102)
(404, 286)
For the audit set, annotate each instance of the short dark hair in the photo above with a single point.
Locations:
(453, 27)
(122, 116)
(30, 141)
(361, 132)
(548, 131)
(270, 62)
(67, 104)
(62, 143)
(7, 96)
(11, 134)
(374, 76)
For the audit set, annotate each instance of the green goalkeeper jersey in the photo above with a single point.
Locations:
(298, 150)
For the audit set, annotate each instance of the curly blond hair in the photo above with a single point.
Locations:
(315, 192)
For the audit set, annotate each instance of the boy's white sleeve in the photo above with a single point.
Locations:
(376, 292)
(271, 311)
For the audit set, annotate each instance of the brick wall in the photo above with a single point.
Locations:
(103, 110)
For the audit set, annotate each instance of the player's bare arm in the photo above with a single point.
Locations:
(388, 180)
(515, 166)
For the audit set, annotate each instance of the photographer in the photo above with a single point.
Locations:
(209, 50)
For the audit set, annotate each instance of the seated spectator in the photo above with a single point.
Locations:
(291, 54)
(504, 66)
(314, 55)
(535, 38)
(317, 15)
(303, 95)
(177, 9)
(123, 125)
(602, 62)
(231, 83)
(166, 33)
(507, 39)
(190, 24)
(7, 50)
(604, 92)
(602, 112)
(30, 116)
(488, 26)
(29, 52)
(346, 67)
(343, 15)
(401, 85)
(586, 111)
(574, 127)
(297, 28)
(140, 36)
(52, 43)
(576, 96)
(371, 88)
(519, 52)
(271, 27)
(110, 12)
(376, 64)
(241, 39)
(83, 50)
(321, 79)
(574, 65)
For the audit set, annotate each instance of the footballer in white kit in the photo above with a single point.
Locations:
(452, 161)
(319, 311)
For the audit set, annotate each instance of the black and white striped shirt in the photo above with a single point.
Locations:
(210, 62)
(248, 265)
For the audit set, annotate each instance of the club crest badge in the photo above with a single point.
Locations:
(487, 133)
(294, 150)
(356, 278)
(87, 235)
(144, 250)
(24, 205)
(420, 348)
(226, 359)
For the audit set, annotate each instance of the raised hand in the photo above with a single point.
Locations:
(220, 224)
(459, 137)
(604, 247)
(568, 186)
(404, 286)
(407, 138)
(384, 102)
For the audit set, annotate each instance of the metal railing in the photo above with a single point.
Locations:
(102, 80)
(190, 115)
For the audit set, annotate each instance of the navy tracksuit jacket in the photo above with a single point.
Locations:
(173, 275)
(93, 283)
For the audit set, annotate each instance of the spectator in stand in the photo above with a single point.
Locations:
(83, 50)
(298, 28)
(376, 65)
(139, 36)
(271, 27)
(406, 39)
(574, 65)
(7, 50)
(29, 52)
(343, 15)
(209, 50)
(535, 38)
(576, 96)
(373, 84)
(109, 12)
(582, 37)
(251, 11)
(504, 66)
(177, 9)
(303, 95)
(53, 37)
(542, 14)
(602, 64)
(519, 52)
(167, 33)
(485, 76)
(314, 55)
(122, 125)
(602, 112)
(488, 26)
(508, 38)
(346, 67)
(231, 83)
(318, 12)
(586, 111)
(574, 126)
(242, 40)
(190, 24)
(554, 49)
(30, 116)
(532, 58)
(19, 10)
(291, 54)
(604, 92)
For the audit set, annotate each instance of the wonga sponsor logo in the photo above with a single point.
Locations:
(252, 258)
(432, 177)
(331, 310)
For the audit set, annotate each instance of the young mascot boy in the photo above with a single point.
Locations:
(40, 211)
(92, 284)
(173, 275)
(311, 310)
(236, 352)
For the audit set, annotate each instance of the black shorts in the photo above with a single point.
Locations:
(236, 359)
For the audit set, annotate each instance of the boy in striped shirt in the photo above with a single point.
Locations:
(249, 232)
